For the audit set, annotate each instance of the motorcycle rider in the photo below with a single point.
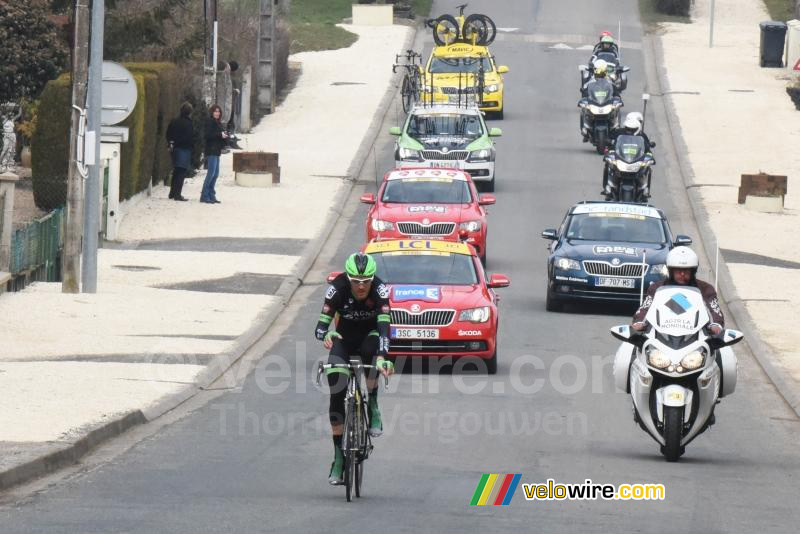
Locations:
(599, 73)
(606, 43)
(632, 125)
(361, 301)
(682, 265)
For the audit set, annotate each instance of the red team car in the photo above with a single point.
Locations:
(428, 204)
(443, 303)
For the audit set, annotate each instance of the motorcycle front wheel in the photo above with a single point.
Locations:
(673, 431)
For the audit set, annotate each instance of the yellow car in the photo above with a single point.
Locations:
(455, 67)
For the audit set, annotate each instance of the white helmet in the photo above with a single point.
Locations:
(600, 67)
(682, 258)
(633, 123)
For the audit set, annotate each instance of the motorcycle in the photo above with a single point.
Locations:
(599, 112)
(629, 170)
(675, 370)
(617, 73)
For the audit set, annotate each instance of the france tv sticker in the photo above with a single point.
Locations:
(423, 293)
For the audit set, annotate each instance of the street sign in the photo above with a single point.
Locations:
(119, 93)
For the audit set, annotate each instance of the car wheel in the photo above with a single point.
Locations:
(552, 304)
(491, 363)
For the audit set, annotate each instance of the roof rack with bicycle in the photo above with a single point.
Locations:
(416, 87)
(476, 29)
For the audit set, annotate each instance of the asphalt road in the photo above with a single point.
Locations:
(256, 460)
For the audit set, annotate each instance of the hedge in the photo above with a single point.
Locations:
(144, 157)
(674, 7)
(50, 144)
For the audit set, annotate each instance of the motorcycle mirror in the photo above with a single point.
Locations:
(627, 334)
(725, 338)
(583, 68)
(645, 96)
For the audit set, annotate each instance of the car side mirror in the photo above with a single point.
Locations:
(502, 69)
(495, 132)
(395, 130)
(368, 198)
(550, 234)
(498, 280)
(487, 200)
(682, 240)
(332, 276)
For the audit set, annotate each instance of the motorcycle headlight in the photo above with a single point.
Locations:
(694, 360)
(382, 226)
(629, 167)
(567, 264)
(657, 359)
(660, 270)
(408, 154)
(484, 154)
(475, 315)
(600, 110)
(493, 88)
(470, 226)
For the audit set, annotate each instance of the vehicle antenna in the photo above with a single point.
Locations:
(716, 269)
(644, 271)
(619, 41)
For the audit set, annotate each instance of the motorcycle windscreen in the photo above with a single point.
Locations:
(629, 148)
(678, 311)
(600, 92)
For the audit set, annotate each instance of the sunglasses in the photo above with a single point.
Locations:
(360, 281)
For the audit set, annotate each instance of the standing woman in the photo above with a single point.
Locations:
(180, 135)
(215, 141)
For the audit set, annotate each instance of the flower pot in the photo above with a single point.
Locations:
(25, 157)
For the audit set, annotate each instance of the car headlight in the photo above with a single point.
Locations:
(408, 154)
(475, 315)
(484, 154)
(657, 359)
(660, 270)
(493, 88)
(567, 264)
(470, 226)
(694, 360)
(382, 226)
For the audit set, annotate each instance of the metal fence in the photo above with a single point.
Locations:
(36, 251)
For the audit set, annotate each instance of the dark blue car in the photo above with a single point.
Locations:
(604, 250)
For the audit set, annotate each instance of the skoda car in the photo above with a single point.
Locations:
(447, 136)
(443, 303)
(606, 250)
(429, 203)
(452, 71)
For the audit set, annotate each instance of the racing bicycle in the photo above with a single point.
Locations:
(412, 79)
(475, 29)
(356, 442)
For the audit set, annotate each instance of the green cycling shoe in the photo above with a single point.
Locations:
(336, 476)
(375, 423)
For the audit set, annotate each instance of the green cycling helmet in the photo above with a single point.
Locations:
(360, 264)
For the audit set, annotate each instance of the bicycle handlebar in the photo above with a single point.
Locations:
(461, 9)
(350, 366)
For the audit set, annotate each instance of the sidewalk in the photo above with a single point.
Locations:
(189, 286)
(736, 118)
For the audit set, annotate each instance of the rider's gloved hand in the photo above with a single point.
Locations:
(715, 329)
(638, 326)
(327, 342)
(385, 366)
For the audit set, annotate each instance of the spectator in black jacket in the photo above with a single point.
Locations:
(180, 135)
(215, 142)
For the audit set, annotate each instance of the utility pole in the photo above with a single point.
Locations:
(91, 225)
(71, 268)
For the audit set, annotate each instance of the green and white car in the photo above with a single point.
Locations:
(448, 136)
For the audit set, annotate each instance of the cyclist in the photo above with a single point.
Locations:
(361, 301)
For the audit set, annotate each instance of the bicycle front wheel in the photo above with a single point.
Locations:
(406, 94)
(445, 31)
(481, 28)
(349, 448)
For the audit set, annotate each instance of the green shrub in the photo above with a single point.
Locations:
(50, 144)
(170, 91)
(138, 154)
(674, 7)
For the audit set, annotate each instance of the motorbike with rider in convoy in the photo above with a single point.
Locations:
(675, 360)
(600, 107)
(606, 50)
(627, 170)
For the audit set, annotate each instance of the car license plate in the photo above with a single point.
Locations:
(444, 164)
(627, 283)
(415, 333)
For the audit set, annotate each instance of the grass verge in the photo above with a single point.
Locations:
(422, 8)
(313, 25)
(782, 10)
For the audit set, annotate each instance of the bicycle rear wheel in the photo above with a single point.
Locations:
(445, 31)
(481, 22)
(406, 94)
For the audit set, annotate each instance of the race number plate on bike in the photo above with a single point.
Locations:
(415, 333)
(627, 283)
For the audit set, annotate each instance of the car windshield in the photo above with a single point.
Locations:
(426, 268)
(454, 65)
(427, 191)
(618, 227)
(456, 124)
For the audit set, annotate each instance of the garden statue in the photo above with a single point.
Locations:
(9, 146)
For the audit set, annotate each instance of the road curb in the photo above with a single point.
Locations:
(71, 454)
(762, 352)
